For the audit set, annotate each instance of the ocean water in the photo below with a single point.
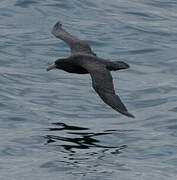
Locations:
(54, 126)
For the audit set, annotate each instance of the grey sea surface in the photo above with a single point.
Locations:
(54, 126)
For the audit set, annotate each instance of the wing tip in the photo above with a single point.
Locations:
(126, 113)
(56, 27)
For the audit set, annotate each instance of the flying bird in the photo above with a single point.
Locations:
(83, 60)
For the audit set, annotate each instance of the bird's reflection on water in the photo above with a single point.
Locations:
(86, 139)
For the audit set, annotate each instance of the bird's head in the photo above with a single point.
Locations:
(56, 65)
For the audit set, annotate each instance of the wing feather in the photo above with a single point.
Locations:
(76, 45)
(102, 82)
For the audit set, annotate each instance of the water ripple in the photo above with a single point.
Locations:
(54, 125)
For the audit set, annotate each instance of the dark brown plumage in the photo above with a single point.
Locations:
(83, 61)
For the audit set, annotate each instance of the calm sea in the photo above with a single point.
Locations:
(53, 126)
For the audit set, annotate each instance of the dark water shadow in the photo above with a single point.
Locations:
(80, 138)
(24, 3)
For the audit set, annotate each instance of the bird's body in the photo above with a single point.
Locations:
(84, 61)
(75, 63)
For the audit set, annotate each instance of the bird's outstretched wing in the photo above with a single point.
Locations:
(76, 45)
(103, 84)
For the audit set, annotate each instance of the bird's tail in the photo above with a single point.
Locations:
(117, 65)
